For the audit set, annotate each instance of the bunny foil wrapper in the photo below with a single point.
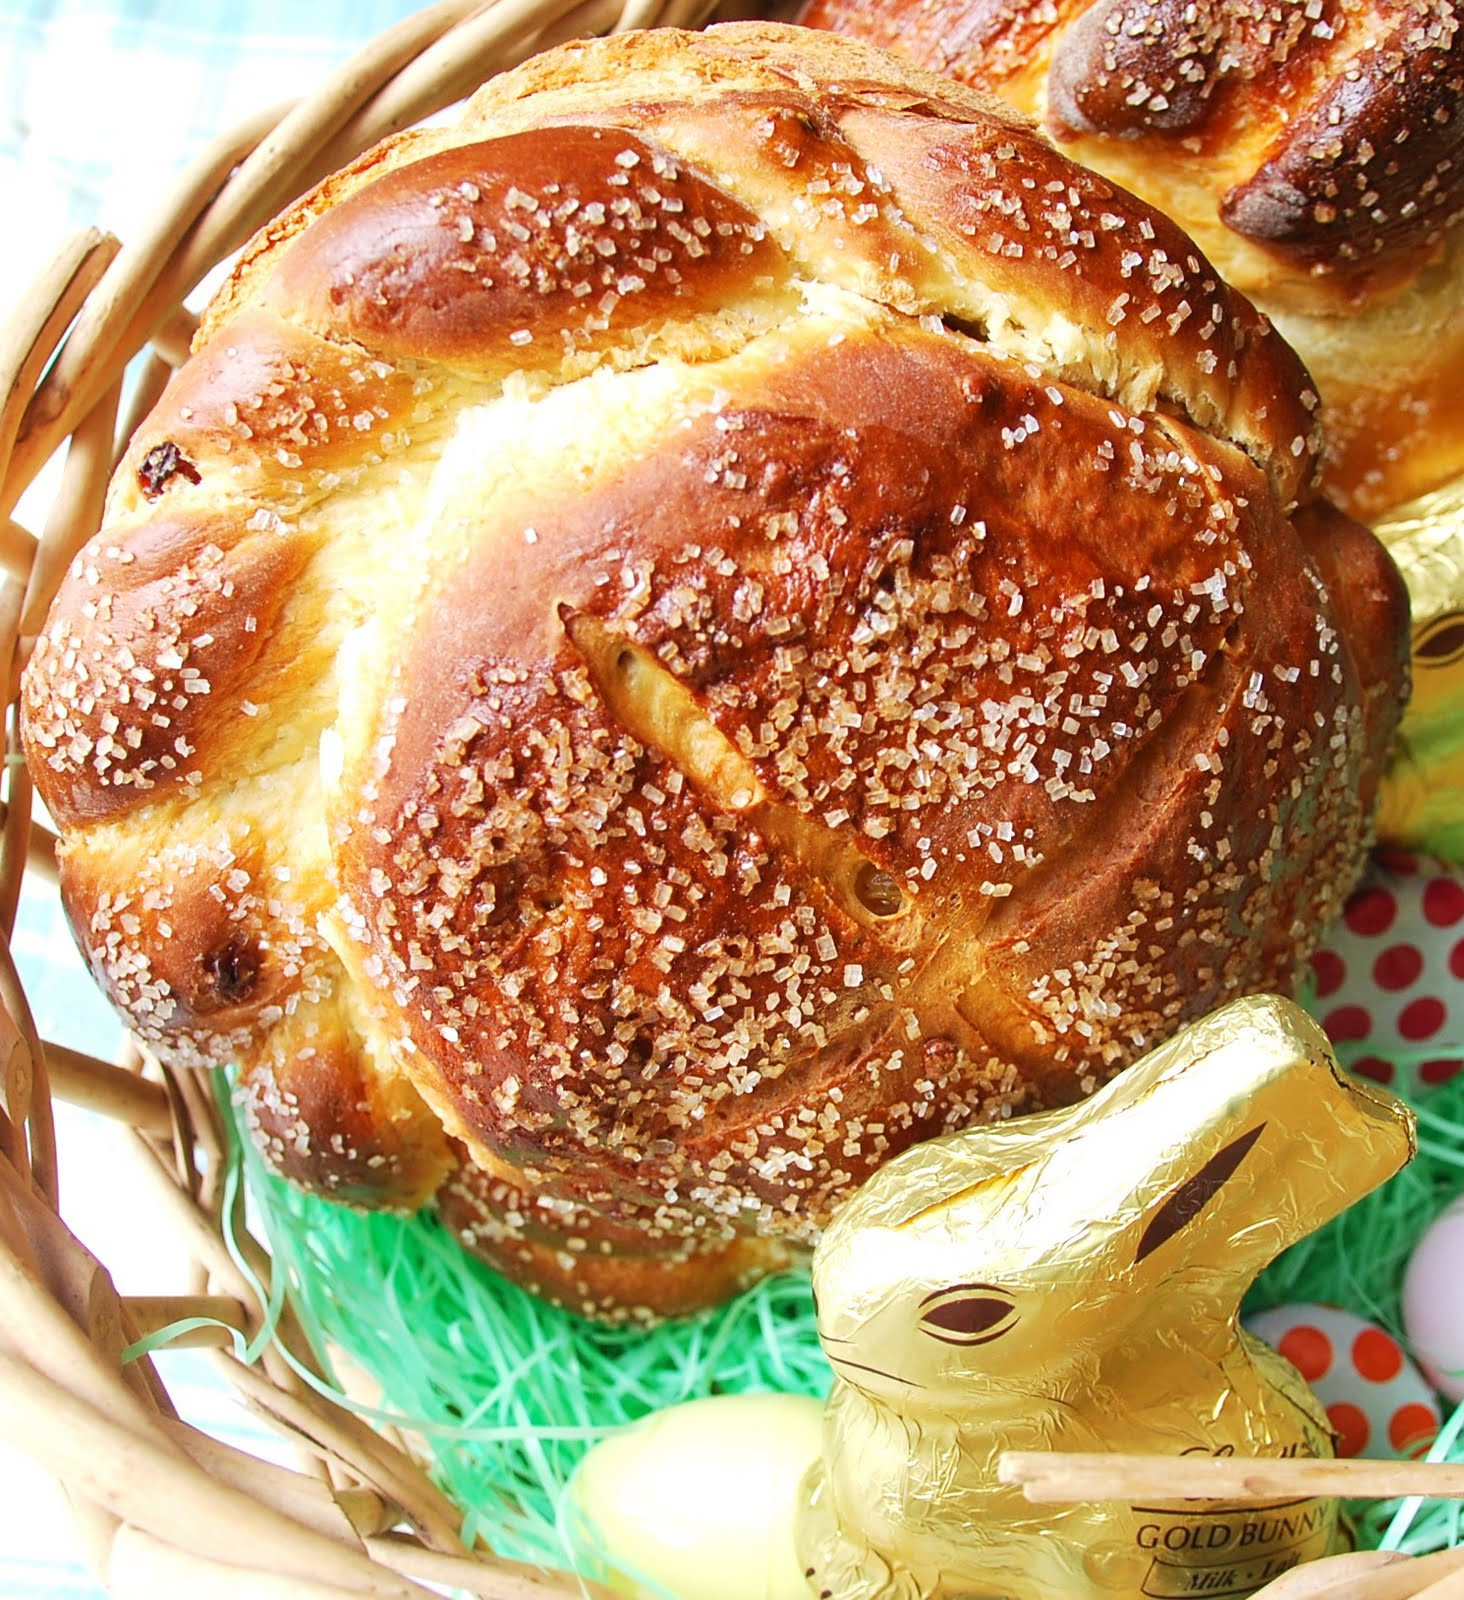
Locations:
(1423, 786)
(1072, 1281)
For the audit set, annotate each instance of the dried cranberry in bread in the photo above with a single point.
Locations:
(729, 613)
(1315, 152)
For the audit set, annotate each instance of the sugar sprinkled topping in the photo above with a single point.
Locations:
(697, 827)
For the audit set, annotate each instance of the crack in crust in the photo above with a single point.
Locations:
(657, 710)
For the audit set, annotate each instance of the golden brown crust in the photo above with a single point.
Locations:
(507, 838)
(813, 144)
(1347, 117)
(156, 643)
(1395, 406)
(1213, 359)
(1366, 181)
(726, 615)
(508, 253)
(1316, 154)
(612, 1263)
(264, 409)
(1130, 67)
(327, 1119)
(1372, 615)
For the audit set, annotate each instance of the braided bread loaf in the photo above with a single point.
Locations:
(1314, 151)
(727, 614)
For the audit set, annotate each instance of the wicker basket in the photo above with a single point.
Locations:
(160, 1508)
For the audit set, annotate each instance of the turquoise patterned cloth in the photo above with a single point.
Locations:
(102, 102)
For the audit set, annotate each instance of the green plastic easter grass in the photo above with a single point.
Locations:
(1358, 1261)
(508, 1393)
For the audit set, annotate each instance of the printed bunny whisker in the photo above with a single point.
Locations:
(1072, 1281)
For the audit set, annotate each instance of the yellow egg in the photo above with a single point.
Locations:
(698, 1500)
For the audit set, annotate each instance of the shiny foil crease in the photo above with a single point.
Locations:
(1072, 1281)
(1423, 788)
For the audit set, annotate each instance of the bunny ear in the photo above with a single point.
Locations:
(1186, 1202)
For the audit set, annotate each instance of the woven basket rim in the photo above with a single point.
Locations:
(160, 1509)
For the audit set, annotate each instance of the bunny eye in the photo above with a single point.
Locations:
(968, 1313)
(1441, 642)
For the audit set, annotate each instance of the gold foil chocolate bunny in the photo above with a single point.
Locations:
(1423, 787)
(1071, 1281)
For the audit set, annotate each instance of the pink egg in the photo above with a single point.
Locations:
(1433, 1301)
(1375, 1398)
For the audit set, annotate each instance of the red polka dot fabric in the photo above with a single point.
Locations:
(1388, 986)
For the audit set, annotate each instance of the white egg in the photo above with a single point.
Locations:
(700, 1498)
(1375, 1398)
(1433, 1302)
